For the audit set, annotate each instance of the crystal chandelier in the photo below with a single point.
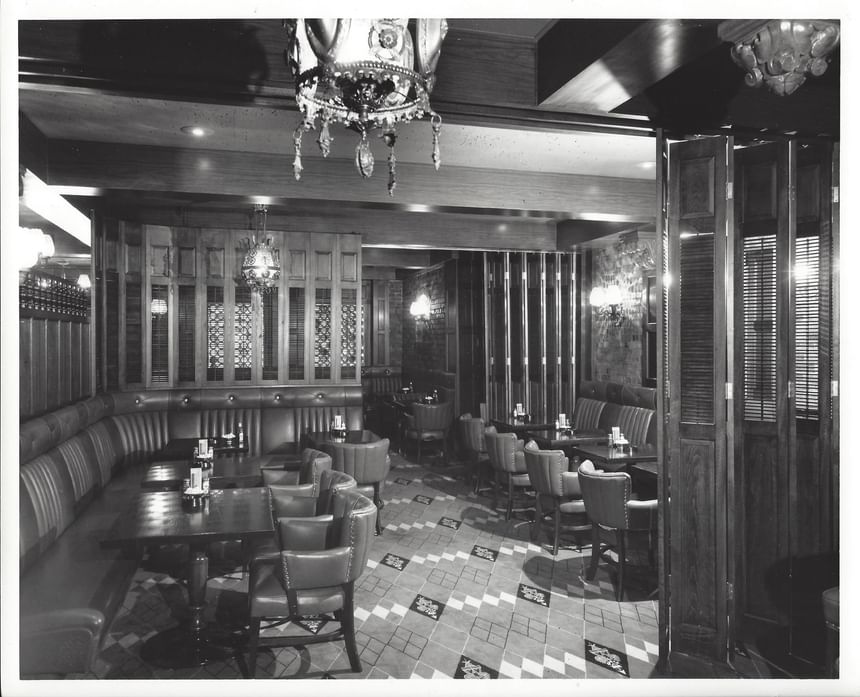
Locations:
(261, 267)
(367, 74)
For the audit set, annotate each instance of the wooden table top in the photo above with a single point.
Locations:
(158, 516)
(519, 426)
(183, 448)
(238, 470)
(556, 439)
(614, 458)
(319, 439)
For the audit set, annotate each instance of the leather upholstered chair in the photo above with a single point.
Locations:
(614, 514)
(313, 574)
(472, 437)
(310, 499)
(429, 423)
(556, 490)
(509, 466)
(313, 462)
(368, 464)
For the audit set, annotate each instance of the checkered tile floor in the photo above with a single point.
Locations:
(452, 589)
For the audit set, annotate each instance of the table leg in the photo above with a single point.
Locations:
(192, 644)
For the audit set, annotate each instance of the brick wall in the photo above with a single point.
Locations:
(616, 352)
(424, 343)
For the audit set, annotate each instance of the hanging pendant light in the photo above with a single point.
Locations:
(368, 74)
(261, 267)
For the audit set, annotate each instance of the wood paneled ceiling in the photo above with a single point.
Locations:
(545, 121)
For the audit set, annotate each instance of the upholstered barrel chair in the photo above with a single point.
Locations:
(475, 445)
(368, 464)
(311, 465)
(312, 574)
(556, 491)
(429, 423)
(614, 513)
(509, 466)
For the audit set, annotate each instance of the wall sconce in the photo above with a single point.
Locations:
(84, 282)
(420, 308)
(608, 303)
(158, 306)
(33, 246)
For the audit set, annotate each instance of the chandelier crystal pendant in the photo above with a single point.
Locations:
(261, 267)
(367, 74)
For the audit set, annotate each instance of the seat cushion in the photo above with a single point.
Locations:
(425, 435)
(269, 599)
(576, 506)
(520, 479)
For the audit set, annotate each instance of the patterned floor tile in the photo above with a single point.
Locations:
(504, 606)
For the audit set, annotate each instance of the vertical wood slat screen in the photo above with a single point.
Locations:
(759, 310)
(160, 318)
(697, 338)
(348, 333)
(133, 332)
(806, 327)
(296, 334)
(214, 333)
(186, 315)
(270, 335)
(243, 351)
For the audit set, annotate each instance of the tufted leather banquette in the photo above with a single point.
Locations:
(602, 405)
(75, 478)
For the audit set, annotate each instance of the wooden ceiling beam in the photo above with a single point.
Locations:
(650, 52)
(420, 187)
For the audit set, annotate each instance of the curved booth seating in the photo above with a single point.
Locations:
(78, 473)
(368, 463)
(614, 514)
(601, 405)
(312, 464)
(311, 576)
(556, 490)
(472, 437)
(509, 466)
(429, 423)
(830, 602)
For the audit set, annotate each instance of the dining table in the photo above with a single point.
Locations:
(183, 448)
(518, 426)
(226, 472)
(162, 518)
(612, 458)
(321, 439)
(563, 439)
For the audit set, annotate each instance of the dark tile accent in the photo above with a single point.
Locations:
(607, 658)
(402, 481)
(470, 668)
(450, 523)
(427, 607)
(485, 553)
(394, 561)
(426, 500)
(534, 595)
(312, 624)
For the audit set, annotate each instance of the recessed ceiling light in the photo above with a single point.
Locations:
(196, 131)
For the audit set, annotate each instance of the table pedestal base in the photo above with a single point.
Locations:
(181, 648)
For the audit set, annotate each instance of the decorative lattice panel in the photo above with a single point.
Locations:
(242, 347)
(322, 334)
(348, 333)
(215, 333)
